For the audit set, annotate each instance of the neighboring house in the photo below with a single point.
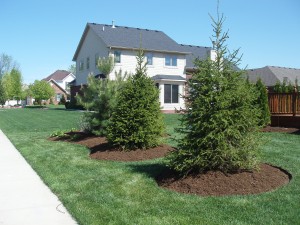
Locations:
(270, 75)
(59, 81)
(167, 60)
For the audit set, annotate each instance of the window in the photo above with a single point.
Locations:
(81, 65)
(96, 59)
(58, 97)
(87, 63)
(67, 87)
(149, 58)
(117, 56)
(171, 93)
(170, 60)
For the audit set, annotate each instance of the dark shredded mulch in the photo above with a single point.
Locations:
(281, 130)
(211, 183)
(216, 183)
(100, 149)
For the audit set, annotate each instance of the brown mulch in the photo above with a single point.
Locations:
(101, 150)
(211, 183)
(281, 130)
(216, 183)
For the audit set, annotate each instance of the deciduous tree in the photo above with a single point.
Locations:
(3, 95)
(41, 90)
(7, 63)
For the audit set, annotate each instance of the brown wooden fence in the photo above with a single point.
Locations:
(284, 103)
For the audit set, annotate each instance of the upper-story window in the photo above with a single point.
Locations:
(87, 63)
(149, 57)
(81, 65)
(96, 59)
(117, 56)
(170, 60)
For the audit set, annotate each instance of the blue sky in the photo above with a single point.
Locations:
(42, 35)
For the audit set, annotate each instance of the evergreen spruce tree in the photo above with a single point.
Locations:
(262, 103)
(277, 87)
(220, 122)
(137, 119)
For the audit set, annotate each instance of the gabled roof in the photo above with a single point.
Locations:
(272, 74)
(195, 52)
(58, 75)
(57, 85)
(131, 38)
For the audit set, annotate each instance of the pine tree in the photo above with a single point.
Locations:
(99, 96)
(262, 103)
(220, 122)
(137, 120)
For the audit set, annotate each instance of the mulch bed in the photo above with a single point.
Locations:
(101, 150)
(211, 183)
(281, 130)
(216, 183)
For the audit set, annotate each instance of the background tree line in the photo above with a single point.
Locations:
(12, 86)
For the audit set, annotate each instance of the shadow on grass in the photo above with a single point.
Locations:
(296, 132)
(151, 170)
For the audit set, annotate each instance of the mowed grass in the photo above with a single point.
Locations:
(104, 192)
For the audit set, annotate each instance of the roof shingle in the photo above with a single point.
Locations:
(272, 74)
(58, 75)
(195, 52)
(132, 38)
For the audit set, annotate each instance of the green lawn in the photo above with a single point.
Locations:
(102, 192)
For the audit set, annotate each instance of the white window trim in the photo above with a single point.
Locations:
(152, 55)
(172, 103)
(171, 67)
(118, 63)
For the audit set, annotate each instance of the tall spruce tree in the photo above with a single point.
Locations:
(137, 120)
(220, 122)
(262, 103)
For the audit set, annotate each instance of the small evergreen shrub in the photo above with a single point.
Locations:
(264, 117)
(136, 121)
(284, 88)
(73, 104)
(62, 100)
(99, 96)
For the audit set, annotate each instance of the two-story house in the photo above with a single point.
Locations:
(59, 81)
(166, 59)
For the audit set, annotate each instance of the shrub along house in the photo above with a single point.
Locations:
(270, 75)
(167, 60)
(59, 81)
(284, 107)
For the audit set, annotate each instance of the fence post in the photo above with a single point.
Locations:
(294, 100)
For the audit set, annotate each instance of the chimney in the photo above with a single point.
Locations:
(113, 24)
(212, 54)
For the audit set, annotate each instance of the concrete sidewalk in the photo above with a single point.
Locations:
(24, 198)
